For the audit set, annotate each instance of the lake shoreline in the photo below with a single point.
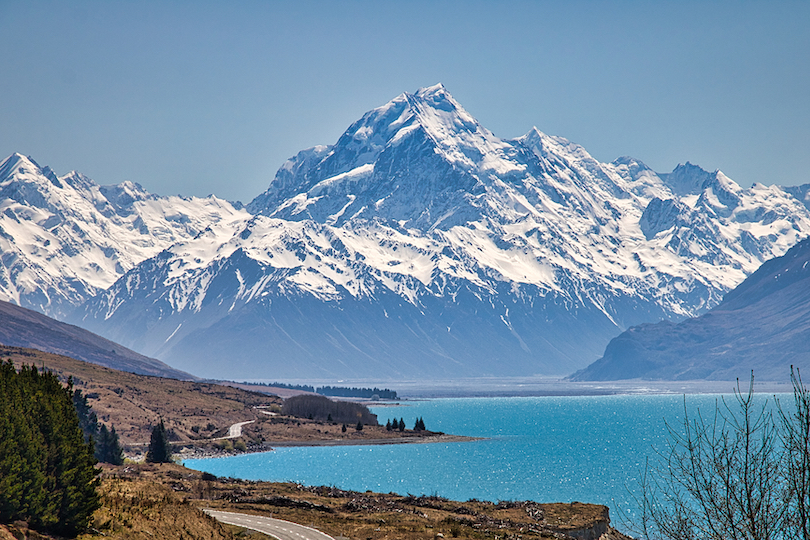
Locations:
(269, 446)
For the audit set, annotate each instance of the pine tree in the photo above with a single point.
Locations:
(359, 426)
(401, 424)
(88, 420)
(108, 448)
(47, 469)
(388, 425)
(160, 451)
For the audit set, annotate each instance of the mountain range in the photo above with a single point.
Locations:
(763, 325)
(418, 245)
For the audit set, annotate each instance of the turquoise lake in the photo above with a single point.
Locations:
(546, 449)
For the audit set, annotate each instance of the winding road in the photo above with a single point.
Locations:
(236, 430)
(278, 528)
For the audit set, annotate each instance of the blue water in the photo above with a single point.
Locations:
(546, 449)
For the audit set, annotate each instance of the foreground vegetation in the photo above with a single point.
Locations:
(163, 501)
(47, 473)
(742, 472)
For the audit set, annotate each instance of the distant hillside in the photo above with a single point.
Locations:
(762, 325)
(20, 327)
(196, 413)
(134, 403)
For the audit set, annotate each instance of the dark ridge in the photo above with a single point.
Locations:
(20, 327)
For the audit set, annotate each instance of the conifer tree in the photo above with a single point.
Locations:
(160, 451)
(47, 470)
(388, 425)
(108, 448)
(359, 426)
(401, 424)
(88, 420)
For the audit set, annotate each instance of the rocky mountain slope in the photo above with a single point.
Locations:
(20, 327)
(762, 325)
(63, 239)
(418, 245)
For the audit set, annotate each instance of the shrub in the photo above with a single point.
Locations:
(736, 474)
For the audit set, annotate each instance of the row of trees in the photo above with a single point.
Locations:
(47, 469)
(399, 425)
(335, 391)
(369, 393)
(743, 473)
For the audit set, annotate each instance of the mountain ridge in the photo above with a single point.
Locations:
(66, 238)
(421, 244)
(762, 325)
(20, 327)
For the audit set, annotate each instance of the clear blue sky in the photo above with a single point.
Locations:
(199, 97)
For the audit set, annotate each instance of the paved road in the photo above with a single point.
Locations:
(283, 530)
(235, 431)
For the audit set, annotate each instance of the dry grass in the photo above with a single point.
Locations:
(137, 508)
(193, 412)
(134, 403)
(368, 516)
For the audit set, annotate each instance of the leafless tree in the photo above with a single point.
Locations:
(796, 440)
(725, 477)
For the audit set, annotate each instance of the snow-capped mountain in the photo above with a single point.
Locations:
(762, 325)
(63, 239)
(421, 244)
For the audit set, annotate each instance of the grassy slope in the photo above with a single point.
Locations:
(162, 501)
(133, 403)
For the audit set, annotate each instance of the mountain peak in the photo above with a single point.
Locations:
(427, 133)
(18, 162)
(436, 89)
(437, 97)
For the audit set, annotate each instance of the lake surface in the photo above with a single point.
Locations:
(546, 449)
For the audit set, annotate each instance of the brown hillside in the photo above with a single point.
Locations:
(20, 327)
(133, 403)
(195, 412)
